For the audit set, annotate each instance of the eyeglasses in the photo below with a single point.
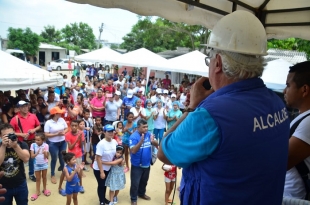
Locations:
(208, 58)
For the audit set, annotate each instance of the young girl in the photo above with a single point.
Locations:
(97, 136)
(73, 173)
(129, 128)
(39, 151)
(170, 175)
(116, 179)
(119, 132)
(81, 128)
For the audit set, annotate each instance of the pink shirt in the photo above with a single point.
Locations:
(96, 102)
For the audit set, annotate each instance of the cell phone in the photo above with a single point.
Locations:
(206, 84)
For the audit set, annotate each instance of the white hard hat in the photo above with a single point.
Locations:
(239, 32)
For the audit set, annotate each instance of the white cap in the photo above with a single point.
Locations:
(117, 92)
(173, 96)
(166, 91)
(158, 90)
(21, 103)
(130, 93)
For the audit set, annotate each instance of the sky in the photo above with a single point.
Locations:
(36, 14)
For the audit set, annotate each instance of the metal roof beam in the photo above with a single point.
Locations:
(204, 6)
(287, 10)
(243, 5)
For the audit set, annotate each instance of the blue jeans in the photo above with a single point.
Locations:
(31, 166)
(139, 177)
(159, 133)
(19, 193)
(55, 149)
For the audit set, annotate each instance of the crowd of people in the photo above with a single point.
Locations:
(109, 124)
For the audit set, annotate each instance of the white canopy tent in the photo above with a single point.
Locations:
(275, 73)
(17, 74)
(281, 18)
(190, 63)
(105, 55)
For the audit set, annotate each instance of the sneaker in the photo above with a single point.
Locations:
(115, 200)
(82, 191)
(111, 203)
(126, 169)
(32, 178)
(106, 201)
(85, 169)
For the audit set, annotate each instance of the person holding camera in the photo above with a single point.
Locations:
(13, 155)
(25, 125)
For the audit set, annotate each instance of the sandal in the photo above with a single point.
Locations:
(34, 197)
(53, 180)
(62, 192)
(46, 192)
(169, 201)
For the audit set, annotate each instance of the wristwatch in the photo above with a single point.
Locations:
(188, 109)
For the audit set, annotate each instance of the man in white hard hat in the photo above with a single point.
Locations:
(232, 141)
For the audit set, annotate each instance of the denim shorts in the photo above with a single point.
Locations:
(72, 189)
(40, 167)
(125, 140)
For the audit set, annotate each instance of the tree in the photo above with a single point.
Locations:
(23, 39)
(79, 34)
(114, 46)
(50, 35)
(163, 35)
(291, 44)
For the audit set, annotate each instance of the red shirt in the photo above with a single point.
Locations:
(172, 173)
(166, 83)
(27, 123)
(109, 88)
(77, 149)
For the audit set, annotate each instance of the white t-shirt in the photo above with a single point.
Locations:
(70, 84)
(294, 186)
(57, 98)
(49, 68)
(160, 121)
(40, 159)
(53, 127)
(101, 74)
(107, 152)
(182, 100)
(119, 102)
(136, 113)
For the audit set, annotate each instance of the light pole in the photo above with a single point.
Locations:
(100, 31)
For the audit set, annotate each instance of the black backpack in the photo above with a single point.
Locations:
(301, 167)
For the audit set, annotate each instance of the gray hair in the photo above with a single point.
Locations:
(141, 122)
(240, 66)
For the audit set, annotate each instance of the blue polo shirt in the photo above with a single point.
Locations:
(142, 158)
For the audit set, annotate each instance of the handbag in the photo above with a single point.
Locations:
(153, 155)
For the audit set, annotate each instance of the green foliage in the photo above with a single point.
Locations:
(163, 35)
(114, 46)
(23, 39)
(291, 44)
(79, 34)
(50, 35)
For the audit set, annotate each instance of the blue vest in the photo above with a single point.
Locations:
(249, 165)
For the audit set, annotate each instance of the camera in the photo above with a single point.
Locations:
(65, 101)
(12, 136)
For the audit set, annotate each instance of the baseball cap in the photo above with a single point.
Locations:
(129, 93)
(56, 110)
(158, 90)
(117, 92)
(173, 96)
(108, 128)
(21, 103)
